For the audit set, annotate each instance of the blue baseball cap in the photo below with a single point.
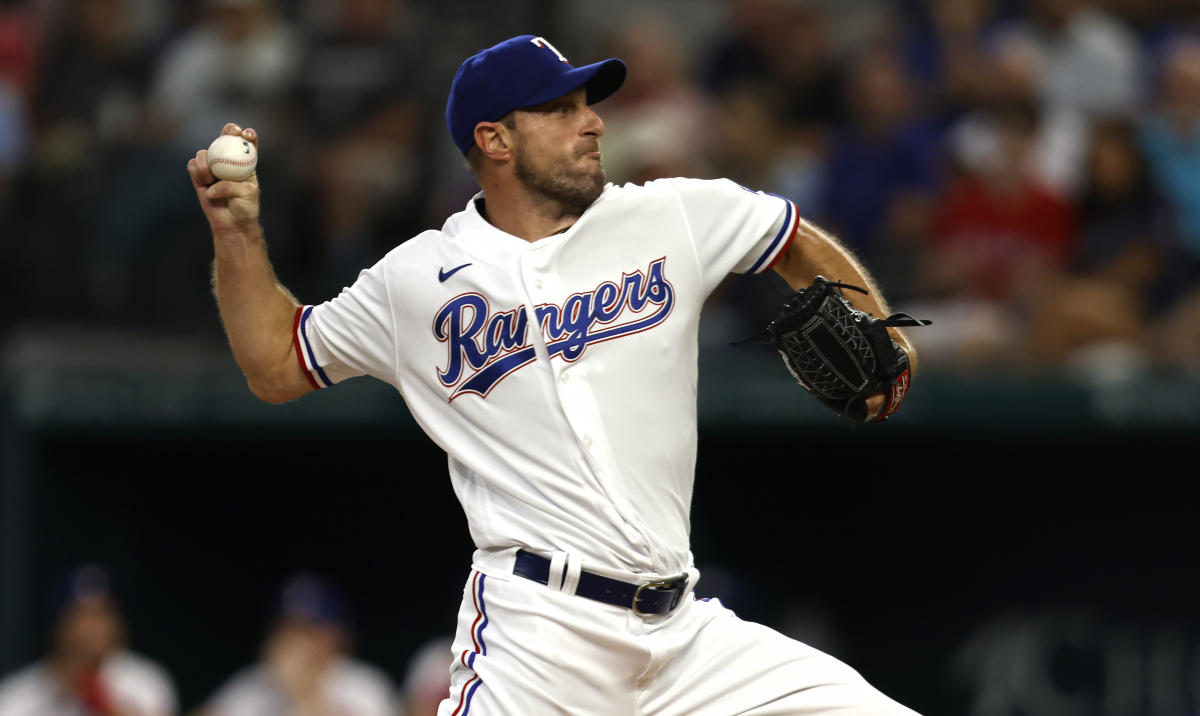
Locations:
(82, 584)
(312, 598)
(519, 72)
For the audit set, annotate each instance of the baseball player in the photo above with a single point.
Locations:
(307, 665)
(546, 338)
(90, 669)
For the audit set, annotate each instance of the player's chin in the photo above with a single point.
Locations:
(595, 185)
(588, 177)
(594, 170)
(585, 191)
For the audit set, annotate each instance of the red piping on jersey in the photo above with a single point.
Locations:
(300, 349)
(788, 243)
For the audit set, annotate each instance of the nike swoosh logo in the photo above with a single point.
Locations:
(443, 275)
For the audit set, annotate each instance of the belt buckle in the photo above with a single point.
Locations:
(663, 584)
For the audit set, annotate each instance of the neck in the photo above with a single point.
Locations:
(514, 210)
(68, 667)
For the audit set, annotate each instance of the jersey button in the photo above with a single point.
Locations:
(564, 377)
(537, 283)
(587, 441)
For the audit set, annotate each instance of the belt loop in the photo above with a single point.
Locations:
(558, 566)
(571, 578)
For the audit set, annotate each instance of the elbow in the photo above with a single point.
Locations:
(267, 395)
(277, 381)
(272, 391)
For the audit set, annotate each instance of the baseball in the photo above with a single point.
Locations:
(232, 157)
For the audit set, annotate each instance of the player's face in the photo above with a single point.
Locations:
(557, 151)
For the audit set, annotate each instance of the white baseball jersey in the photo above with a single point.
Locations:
(559, 375)
(136, 685)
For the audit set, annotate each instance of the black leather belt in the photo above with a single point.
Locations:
(651, 598)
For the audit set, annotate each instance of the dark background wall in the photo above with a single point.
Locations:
(1046, 569)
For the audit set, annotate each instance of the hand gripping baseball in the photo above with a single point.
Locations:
(229, 206)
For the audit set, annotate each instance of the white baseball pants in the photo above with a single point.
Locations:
(524, 649)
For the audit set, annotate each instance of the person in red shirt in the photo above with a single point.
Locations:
(996, 230)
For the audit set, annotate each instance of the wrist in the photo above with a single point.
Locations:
(911, 354)
(236, 236)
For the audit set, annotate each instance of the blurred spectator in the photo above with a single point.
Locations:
(761, 150)
(1169, 133)
(1100, 310)
(306, 665)
(1157, 22)
(1125, 224)
(659, 124)
(1080, 63)
(89, 671)
(1087, 59)
(358, 101)
(427, 680)
(944, 45)
(1147, 17)
(99, 104)
(998, 239)
(783, 43)
(18, 50)
(92, 89)
(883, 168)
(89, 128)
(14, 136)
(236, 65)
(996, 223)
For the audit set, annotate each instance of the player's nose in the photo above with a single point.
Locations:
(593, 125)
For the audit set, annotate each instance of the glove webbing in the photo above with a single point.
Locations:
(896, 320)
(903, 320)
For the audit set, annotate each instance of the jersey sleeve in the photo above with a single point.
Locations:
(735, 229)
(350, 335)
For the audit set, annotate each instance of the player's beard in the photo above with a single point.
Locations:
(572, 188)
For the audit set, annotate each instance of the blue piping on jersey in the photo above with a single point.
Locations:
(787, 223)
(308, 348)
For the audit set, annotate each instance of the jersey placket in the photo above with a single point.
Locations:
(576, 398)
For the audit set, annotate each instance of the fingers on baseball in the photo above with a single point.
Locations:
(232, 190)
(248, 133)
(198, 169)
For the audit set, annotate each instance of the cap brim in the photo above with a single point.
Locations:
(602, 79)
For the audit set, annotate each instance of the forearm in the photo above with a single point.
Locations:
(257, 312)
(815, 252)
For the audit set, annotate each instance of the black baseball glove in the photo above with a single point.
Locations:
(840, 354)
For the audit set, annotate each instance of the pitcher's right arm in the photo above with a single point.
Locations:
(257, 311)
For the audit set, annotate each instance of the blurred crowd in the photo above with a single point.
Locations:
(306, 664)
(1024, 172)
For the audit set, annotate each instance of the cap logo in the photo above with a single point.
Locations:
(543, 42)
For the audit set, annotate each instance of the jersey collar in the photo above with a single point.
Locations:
(477, 236)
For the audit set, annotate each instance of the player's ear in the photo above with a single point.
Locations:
(494, 140)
